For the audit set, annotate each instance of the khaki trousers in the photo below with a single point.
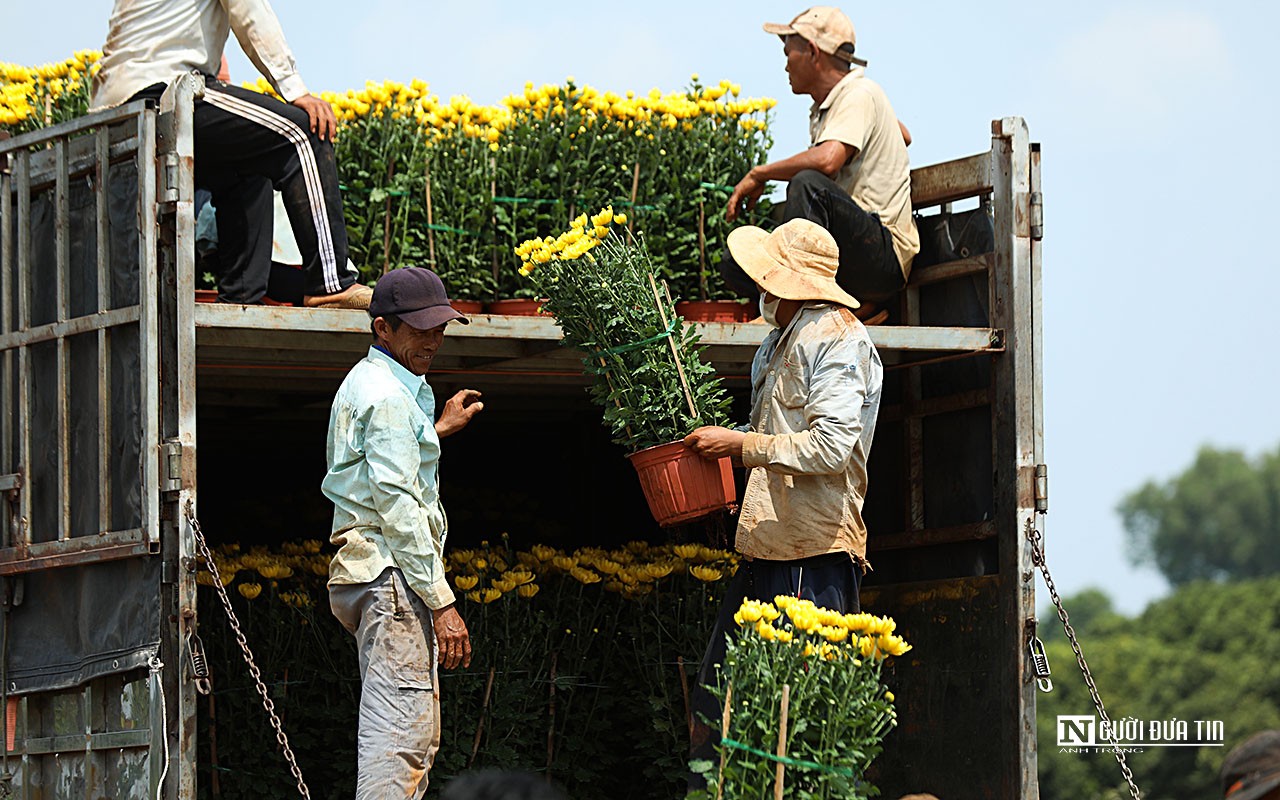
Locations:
(399, 688)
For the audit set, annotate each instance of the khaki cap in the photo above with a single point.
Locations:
(825, 26)
(797, 261)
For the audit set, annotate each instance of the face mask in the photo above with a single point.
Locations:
(769, 311)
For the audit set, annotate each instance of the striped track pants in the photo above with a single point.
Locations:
(246, 143)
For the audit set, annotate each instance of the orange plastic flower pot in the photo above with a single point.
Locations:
(517, 308)
(716, 311)
(681, 485)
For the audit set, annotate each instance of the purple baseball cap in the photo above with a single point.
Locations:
(415, 295)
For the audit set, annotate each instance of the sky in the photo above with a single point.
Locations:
(1155, 128)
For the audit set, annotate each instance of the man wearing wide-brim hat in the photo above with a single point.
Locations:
(854, 179)
(815, 396)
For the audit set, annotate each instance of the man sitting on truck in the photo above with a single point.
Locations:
(815, 397)
(387, 582)
(245, 142)
(854, 180)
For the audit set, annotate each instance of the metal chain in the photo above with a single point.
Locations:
(248, 654)
(1037, 556)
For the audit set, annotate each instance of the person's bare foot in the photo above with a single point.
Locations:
(871, 314)
(357, 295)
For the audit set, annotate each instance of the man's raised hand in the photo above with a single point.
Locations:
(458, 412)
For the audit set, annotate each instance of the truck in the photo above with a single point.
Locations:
(112, 379)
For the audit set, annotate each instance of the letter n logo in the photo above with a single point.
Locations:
(1076, 731)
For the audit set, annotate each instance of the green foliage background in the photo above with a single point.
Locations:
(1218, 519)
(1210, 651)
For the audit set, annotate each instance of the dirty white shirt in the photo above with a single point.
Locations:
(154, 41)
(383, 455)
(815, 397)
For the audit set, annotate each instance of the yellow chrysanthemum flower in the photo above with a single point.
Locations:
(249, 590)
(892, 645)
(466, 582)
(604, 217)
(706, 574)
(527, 590)
(766, 631)
(751, 611)
(503, 585)
(686, 551)
(834, 634)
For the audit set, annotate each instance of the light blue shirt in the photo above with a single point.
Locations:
(383, 454)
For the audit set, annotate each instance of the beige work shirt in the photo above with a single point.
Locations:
(815, 398)
(878, 178)
(155, 41)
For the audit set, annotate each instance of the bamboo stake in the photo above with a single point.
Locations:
(635, 192)
(431, 234)
(675, 352)
(484, 709)
(386, 219)
(493, 217)
(782, 740)
(724, 734)
(551, 723)
(702, 250)
(215, 778)
(684, 689)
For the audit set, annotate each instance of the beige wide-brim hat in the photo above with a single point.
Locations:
(797, 261)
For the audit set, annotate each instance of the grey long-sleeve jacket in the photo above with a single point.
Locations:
(814, 401)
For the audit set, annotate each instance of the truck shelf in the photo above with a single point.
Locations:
(238, 346)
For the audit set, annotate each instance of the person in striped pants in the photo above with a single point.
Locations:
(246, 143)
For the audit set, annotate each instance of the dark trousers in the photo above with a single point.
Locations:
(246, 144)
(830, 581)
(869, 268)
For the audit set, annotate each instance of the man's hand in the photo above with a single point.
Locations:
(323, 123)
(451, 637)
(713, 443)
(747, 191)
(458, 411)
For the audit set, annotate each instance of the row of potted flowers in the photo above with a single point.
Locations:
(693, 311)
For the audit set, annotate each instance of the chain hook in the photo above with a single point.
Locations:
(254, 672)
(1037, 556)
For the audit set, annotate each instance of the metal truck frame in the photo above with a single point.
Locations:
(104, 357)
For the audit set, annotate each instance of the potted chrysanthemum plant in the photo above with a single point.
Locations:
(645, 362)
(804, 708)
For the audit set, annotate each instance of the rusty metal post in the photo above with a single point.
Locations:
(1013, 429)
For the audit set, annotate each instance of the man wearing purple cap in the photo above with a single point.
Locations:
(854, 180)
(387, 583)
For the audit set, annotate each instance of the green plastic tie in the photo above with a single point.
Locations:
(389, 192)
(626, 348)
(450, 229)
(790, 762)
(541, 201)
